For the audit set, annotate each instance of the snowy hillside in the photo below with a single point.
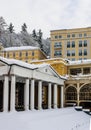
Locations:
(9, 38)
(54, 119)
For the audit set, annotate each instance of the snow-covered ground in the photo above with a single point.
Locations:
(54, 119)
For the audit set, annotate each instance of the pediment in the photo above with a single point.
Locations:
(48, 70)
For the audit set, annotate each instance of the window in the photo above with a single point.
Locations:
(26, 53)
(57, 53)
(68, 44)
(60, 36)
(80, 58)
(85, 52)
(13, 54)
(73, 52)
(73, 35)
(80, 52)
(75, 71)
(68, 52)
(73, 59)
(80, 43)
(85, 35)
(57, 44)
(80, 35)
(56, 37)
(86, 70)
(73, 43)
(85, 43)
(68, 36)
(33, 53)
(7, 55)
(20, 54)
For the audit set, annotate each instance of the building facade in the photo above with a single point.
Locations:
(77, 86)
(24, 53)
(73, 44)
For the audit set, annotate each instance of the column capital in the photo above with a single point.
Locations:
(62, 85)
(50, 83)
(40, 81)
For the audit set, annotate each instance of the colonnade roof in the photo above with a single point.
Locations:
(21, 63)
(45, 70)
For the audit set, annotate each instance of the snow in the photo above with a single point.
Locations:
(20, 48)
(54, 119)
(22, 64)
(79, 62)
(79, 76)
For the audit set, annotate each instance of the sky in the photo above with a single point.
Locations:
(46, 15)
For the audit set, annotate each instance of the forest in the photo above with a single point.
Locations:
(9, 38)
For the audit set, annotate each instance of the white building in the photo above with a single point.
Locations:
(22, 86)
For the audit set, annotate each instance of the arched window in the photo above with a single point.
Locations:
(71, 93)
(85, 92)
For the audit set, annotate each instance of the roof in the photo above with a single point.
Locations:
(20, 48)
(78, 62)
(56, 60)
(21, 63)
(72, 29)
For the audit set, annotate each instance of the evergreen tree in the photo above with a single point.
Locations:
(24, 27)
(2, 25)
(40, 39)
(11, 28)
(34, 35)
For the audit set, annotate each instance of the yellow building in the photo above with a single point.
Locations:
(73, 44)
(77, 88)
(24, 53)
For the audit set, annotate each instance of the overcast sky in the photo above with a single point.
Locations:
(46, 14)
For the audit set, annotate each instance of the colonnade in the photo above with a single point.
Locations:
(29, 99)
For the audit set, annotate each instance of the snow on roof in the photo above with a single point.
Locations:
(54, 119)
(55, 60)
(20, 48)
(21, 63)
(79, 62)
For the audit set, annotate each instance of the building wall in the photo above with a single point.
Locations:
(24, 55)
(60, 39)
(58, 65)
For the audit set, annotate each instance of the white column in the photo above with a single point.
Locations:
(5, 94)
(12, 95)
(49, 95)
(26, 95)
(62, 96)
(55, 96)
(32, 94)
(39, 95)
(77, 94)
